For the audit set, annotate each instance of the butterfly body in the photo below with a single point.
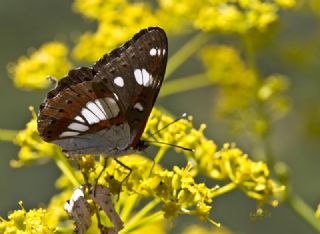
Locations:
(104, 109)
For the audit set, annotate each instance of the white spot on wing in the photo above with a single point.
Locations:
(153, 52)
(69, 206)
(112, 105)
(119, 81)
(68, 134)
(78, 118)
(96, 110)
(138, 76)
(164, 51)
(100, 105)
(138, 106)
(116, 96)
(90, 117)
(159, 52)
(78, 127)
(147, 78)
(143, 77)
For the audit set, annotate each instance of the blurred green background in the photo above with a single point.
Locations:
(293, 51)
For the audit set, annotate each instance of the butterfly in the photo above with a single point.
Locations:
(104, 109)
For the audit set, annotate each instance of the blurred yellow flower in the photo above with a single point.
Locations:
(241, 91)
(237, 16)
(32, 147)
(318, 212)
(113, 28)
(197, 229)
(32, 72)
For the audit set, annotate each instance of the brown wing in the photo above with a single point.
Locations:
(80, 109)
(140, 66)
(120, 90)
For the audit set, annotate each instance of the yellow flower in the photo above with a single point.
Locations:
(286, 3)
(94, 9)
(32, 72)
(197, 229)
(238, 16)
(32, 147)
(32, 221)
(227, 164)
(113, 29)
(241, 91)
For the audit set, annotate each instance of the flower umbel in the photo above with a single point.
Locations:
(32, 72)
(32, 221)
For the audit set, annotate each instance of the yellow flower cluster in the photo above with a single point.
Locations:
(251, 177)
(181, 133)
(237, 83)
(175, 188)
(237, 16)
(118, 21)
(227, 164)
(241, 92)
(32, 147)
(32, 72)
(22, 221)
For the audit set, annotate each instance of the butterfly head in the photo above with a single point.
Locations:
(142, 145)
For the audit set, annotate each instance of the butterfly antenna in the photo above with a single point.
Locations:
(175, 146)
(183, 116)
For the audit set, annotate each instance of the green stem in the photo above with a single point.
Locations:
(250, 54)
(129, 205)
(296, 203)
(185, 52)
(7, 135)
(224, 189)
(304, 211)
(160, 154)
(67, 169)
(185, 84)
(147, 220)
(144, 211)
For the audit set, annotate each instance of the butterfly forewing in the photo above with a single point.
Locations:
(135, 74)
(104, 109)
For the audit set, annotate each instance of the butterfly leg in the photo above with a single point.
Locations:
(153, 164)
(86, 185)
(127, 176)
(100, 174)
